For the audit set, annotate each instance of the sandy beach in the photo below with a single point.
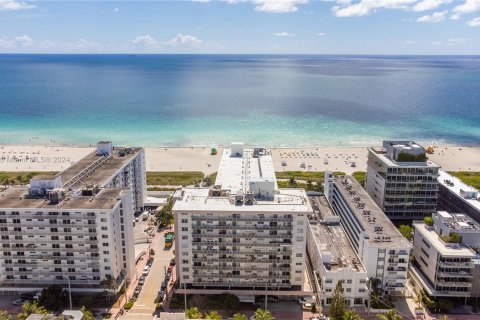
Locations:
(57, 158)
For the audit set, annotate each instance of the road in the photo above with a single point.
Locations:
(144, 307)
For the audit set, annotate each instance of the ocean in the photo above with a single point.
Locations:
(263, 100)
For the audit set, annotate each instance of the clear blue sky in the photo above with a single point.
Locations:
(242, 26)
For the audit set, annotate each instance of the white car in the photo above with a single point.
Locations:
(146, 270)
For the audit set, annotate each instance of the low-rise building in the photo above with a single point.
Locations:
(401, 180)
(457, 196)
(333, 258)
(443, 268)
(382, 250)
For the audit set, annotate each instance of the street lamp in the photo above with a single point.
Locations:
(185, 296)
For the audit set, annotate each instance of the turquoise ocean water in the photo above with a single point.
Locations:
(291, 100)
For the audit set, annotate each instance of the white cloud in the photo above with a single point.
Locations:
(468, 6)
(82, 44)
(116, 9)
(321, 34)
(426, 5)
(434, 17)
(284, 34)
(5, 43)
(184, 40)
(474, 22)
(12, 5)
(458, 40)
(23, 41)
(409, 42)
(367, 7)
(273, 6)
(47, 44)
(450, 42)
(145, 41)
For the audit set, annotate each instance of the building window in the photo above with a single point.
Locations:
(184, 220)
(184, 228)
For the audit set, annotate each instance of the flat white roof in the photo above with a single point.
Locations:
(234, 172)
(392, 163)
(445, 250)
(285, 200)
(456, 186)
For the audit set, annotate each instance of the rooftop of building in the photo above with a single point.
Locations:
(457, 221)
(451, 249)
(17, 198)
(332, 240)
(237, 169)
(380, 230)
(381, 153)
(97, 169)
(245, 182)
(200, 199)
(467, 193)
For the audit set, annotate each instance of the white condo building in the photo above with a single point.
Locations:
(442, 268)
(244, 235)
(74, 227)
(383, 251)
(333, 257)
(401, 180)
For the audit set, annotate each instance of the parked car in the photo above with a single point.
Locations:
(146, 270)
(163, 286)
(161, 294)
(150, 262)
(137, 290)
(141, 281)
(167, 277)
(18, 302)
(172, 262)
(169, 270)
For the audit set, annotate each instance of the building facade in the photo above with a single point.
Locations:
(442, 268)
(401, 180)
(68, 229)
(333, 258)
(245, 234)
(383, 251)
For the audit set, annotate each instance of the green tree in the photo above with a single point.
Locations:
(4, 315)
(406, 231)
(165, 216)
(52, 298)
(213, 315)
(444, 317)
(261, 314)
(337, 306)
(390, 315)
(292, 183)
(87, 315)
(193, 313)
(30, 308)
(428, 221)
(351, 315)
(110, 283)
(239, 316)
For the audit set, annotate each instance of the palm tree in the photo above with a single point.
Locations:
(390, 315)
(351, 315)
(30, 308)
(261, 314)
(292, 182)
(213, 315)
(239, 316)
(193, 313)
(87, 315)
